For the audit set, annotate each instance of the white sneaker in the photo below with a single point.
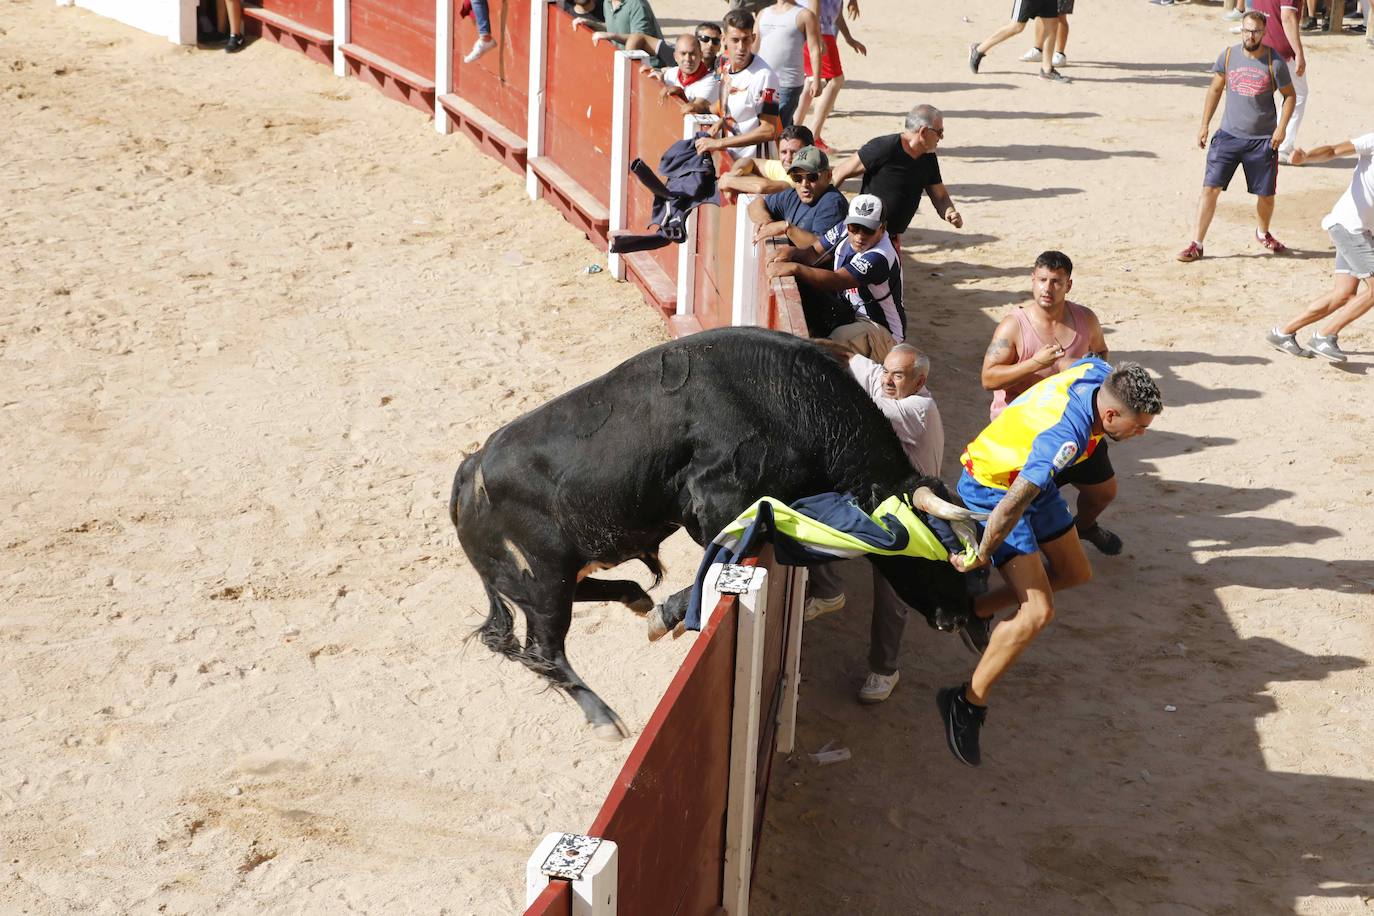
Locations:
(819, 607)
(1058, 60)
(878, 687)
(482, 46)
(1235, 15)
(1033, 54)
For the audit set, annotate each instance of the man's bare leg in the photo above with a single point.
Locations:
(1264, 212)
(1069, 567)
(826, 104)
(1034, 595)
(1351, 310)
(1342, 290)
(1092, 499)
(1206, 209)
(1051, 38)
(1010, 30)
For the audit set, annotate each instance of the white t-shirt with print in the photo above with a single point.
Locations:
(748, 88)
(707, 89)
(1354, 212)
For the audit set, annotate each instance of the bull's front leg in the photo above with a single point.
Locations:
(668, 616)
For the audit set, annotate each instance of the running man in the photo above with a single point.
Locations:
(1009, 473)
(1023, 11)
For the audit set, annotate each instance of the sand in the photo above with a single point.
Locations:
(253, 315)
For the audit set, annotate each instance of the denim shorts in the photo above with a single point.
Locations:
(1260, 160)
(1354, 252)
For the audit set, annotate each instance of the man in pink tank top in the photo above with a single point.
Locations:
(1037, 340)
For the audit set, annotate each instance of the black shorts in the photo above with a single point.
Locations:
(1095, 469)
(1026, 10)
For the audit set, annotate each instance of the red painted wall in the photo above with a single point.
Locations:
(317, 14)
(715, 265)
(578, 105)
(498, 83)
(402, 31)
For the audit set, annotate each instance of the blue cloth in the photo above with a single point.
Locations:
(894, 529)
(832, 207)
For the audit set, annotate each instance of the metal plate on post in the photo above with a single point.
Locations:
(570, 856)
(735, 580)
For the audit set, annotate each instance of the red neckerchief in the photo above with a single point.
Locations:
(687, 79)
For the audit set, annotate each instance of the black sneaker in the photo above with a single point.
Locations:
(1104, 540)
(976, 633)
(975, 57)
(234, 44)
(962, 722)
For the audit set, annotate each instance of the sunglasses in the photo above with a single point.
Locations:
(709, 39)
(862, 230)
(804, 177)
(939, 132)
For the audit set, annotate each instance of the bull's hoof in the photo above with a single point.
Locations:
(657, 627)
(641, 606)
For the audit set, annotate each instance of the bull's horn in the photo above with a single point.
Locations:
(926, 500)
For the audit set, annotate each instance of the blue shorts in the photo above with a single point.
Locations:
(788, 99)
(1046, 518)
(1260, 160)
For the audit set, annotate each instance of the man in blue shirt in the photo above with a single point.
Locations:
(806, 210)
(865, 286)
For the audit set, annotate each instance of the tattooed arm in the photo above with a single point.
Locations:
(1002, 365)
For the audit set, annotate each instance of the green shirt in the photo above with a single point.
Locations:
(634, 16)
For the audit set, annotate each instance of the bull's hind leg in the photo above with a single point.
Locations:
(544, 648)
(498, 630)
(624, 591)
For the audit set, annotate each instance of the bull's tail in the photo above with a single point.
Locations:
(463, 485)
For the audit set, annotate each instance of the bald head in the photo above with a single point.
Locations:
(687, 53)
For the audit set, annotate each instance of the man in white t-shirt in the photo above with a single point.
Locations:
(749, 94)
(691, 82)
(1351, 225)
(898, 387)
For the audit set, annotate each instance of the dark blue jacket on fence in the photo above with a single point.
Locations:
(689, 180)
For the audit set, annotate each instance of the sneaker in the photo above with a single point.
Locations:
(1310, 24)
(234, 44)
(819, 607)
(1104, 540)
(962, 722)
(1326, 348)
(1162, 2)
(976, 633)
(1235, 15)
(1192, 253)
(1033, 55)
(878, 687)
(1059, 59)
(1288, 343)
(975, 57)
(480, 47)
(1268, 241)
(1054, 76)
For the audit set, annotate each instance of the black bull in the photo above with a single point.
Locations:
(687, 434)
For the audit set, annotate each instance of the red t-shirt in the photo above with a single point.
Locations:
(1274, 36)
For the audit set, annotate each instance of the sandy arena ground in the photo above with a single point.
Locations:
(253, 315)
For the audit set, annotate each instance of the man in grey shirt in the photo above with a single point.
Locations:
(897, 386)
(1251, 130)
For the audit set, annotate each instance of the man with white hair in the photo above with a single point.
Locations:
(898, 387)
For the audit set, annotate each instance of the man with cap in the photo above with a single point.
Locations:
(807, 209)
(859, 302)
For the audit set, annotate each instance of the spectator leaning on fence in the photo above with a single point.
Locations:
(805, 211)
(749, 94)
(691, 82)
(859, 302)
(752, 175)
(898, 168)
(631, 25)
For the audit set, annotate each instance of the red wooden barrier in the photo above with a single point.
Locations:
(301, 25)
(654, 126)
(715, 266)
(575, 170)
(556, 900)
(490, 98)
(391, 47)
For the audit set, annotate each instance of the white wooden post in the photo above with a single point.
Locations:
(341, 36)
(743, 299)
(744, 735)
(443, 61)
(791, 662)
(687, 251)
(590, 864)
(620, 149)
(534, 127)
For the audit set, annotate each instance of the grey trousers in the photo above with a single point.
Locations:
(889, 614)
